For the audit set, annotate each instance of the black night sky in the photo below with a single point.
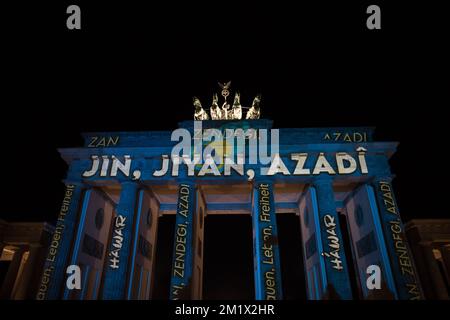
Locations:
(137, 68)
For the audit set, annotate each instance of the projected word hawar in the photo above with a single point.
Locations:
(333, 243)
(117, 241)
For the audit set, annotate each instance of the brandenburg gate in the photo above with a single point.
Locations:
(119, 183)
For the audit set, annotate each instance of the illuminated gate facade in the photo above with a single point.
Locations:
(119, 183)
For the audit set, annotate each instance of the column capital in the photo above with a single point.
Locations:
(35, 245)
(21, 249)
(383, 178)
(322, 179)
(128, 194)
(189, 182)
(426, 243)
(129, 186)
(259, 180)
(77, 183)
(129, 183)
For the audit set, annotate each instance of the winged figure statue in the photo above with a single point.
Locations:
(200, 113)
(254, 112)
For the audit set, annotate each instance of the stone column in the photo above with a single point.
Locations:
(266, 255)
(27, 274)
(198, 243)
(11, 275)
(2, 245)
(445, 250)
(436, 277)
(142, 255)
(3, 225)
(154, 244)
(334, 255)
(403, 268)
(117, 258)
(53, 275)
(182, 262)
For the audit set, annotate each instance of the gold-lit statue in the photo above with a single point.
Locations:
(254, 111)
(225, 89)
(224, 112)
(225, 106)
(236, 111)
(216, 112)
(200, 113)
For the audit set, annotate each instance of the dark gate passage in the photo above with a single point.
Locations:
(292, 269)
(228, 260)
(166, 229)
